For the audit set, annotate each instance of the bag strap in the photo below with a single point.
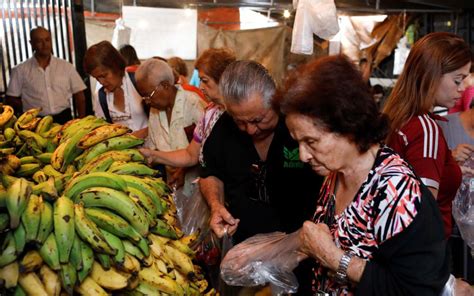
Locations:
(134, 82)
(104, 105)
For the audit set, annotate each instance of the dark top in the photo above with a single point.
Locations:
(276, 195)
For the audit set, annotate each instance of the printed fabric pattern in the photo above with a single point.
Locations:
(385, 205)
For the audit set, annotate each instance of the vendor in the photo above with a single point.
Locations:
(376, 229)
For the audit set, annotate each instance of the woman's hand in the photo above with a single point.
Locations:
(318, 243)
(148, 154)
(462, 152)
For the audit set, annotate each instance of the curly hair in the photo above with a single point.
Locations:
(213, 62)
(331, 91)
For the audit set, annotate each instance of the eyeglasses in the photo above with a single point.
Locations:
(146, 98)
(259, 173)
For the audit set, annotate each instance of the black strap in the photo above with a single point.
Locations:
(104, 105)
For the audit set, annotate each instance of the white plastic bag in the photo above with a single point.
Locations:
(262, 259)
(121, 35)
(313, 16)
(463, 206)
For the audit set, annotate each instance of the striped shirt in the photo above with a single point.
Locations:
(422, 144)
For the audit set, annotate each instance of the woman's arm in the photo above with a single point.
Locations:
(142, 134)
(178, 158)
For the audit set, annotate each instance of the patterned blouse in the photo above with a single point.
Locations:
(384, 206)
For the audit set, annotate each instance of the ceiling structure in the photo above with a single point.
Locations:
(361, 6)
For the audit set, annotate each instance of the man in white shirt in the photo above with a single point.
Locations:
(174, 111)
(46, 81)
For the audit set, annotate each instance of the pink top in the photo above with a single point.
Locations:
(465, 101)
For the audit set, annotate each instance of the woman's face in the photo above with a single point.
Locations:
(451, 87)
(324, 151)
(109, 79)
(210, 88)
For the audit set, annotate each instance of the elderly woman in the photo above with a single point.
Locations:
(117, 100)
(433, 76)
(211, 64)
(376, 229)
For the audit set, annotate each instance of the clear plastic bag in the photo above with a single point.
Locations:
(463, 206)
(264, 259)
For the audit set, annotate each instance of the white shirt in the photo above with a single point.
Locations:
(134, 116)
(50, 88)
(187, 110)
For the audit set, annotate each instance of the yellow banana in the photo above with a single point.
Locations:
(39, 177)
(28, 116)
(102, 133)
(54, 131)
(9, 134)
(44, 124)
(32, 284)
(117, 143)
(122, 155)
(89, 287)
(31, 262)
(9, 274)
(50, 280)
(57, 158)
(160, 282)
(181, 261)
(109, 279)
(131, 264)
(6, 115)
(28, 169)
(31, 125)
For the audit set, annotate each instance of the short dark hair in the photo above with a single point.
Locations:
(105, 55)
(213, 62)
(178, 65)
(129, 54)
(332, 92)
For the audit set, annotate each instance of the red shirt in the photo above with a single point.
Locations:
(422, 144)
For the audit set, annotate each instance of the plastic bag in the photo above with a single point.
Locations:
(264, 258)
(463, 207)
(448, 289)
(121, 34)
(193, 212)
(313, 16)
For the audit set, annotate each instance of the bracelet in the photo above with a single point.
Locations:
(341, 273)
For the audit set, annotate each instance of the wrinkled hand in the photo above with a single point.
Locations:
(222, 221)
(462, 152)
(318, 243)
(176, 177)
(148, 154)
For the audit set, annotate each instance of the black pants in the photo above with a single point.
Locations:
(63, 116)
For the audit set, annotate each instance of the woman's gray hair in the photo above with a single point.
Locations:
(242, 79)
(155, 71)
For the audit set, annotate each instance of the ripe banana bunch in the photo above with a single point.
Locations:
(80, 213)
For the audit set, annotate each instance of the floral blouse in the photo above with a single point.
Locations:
(384, 206)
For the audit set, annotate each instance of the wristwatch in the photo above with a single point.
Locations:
(341, 273)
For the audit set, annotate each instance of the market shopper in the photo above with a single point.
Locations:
(251, 176)
(433, 76)
(174, 111)
(210, 64)
(47, 82)
(376, 229)
(181, 72)
(116, 99)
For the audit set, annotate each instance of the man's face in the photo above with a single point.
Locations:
(156, 96)
(253, 117)
(41, 42)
